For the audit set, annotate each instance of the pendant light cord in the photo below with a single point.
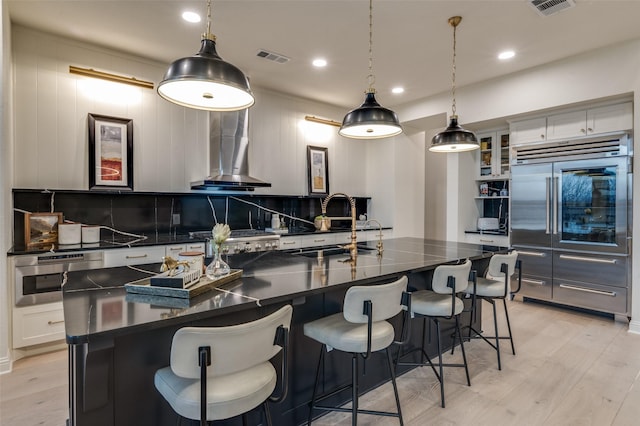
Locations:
(371, 78)
(453, 71)
(208, 34)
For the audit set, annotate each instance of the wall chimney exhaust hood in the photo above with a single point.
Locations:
(228, 153)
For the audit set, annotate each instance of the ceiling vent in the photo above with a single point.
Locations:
(550, 7)
(272, 56)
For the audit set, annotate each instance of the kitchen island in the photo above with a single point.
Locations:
(118, 340)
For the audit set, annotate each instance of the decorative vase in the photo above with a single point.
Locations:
(218, 267)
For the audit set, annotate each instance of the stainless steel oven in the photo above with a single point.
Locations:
(39, 278)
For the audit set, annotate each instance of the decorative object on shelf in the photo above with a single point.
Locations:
(205, 81)
(110, 153)
(41, 229)
(218, 267)
(370, 120)
(322, 121)
(318, 170)
(454, 138)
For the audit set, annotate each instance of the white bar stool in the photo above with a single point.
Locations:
(362, 328)
(496, 285)
(435, 304)
(241, 376)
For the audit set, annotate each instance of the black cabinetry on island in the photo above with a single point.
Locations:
(118, 340)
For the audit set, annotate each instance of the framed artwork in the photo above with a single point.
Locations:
(41, 229)
(110, 152)
(318, 170)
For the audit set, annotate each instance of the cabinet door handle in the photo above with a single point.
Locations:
(534, 282)
(284, 243)
(590, 129)
(55, 322)
(195, 247)
(141, 256)
(542, 136)
(486, 241)
(319, 241)
(588, 290)
(532, 253)
(588, 259)
(583, 131)
(176, 249)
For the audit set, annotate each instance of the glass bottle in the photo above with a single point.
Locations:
(218, 267)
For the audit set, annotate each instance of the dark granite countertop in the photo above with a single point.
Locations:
(97, 304)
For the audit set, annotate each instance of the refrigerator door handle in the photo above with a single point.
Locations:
(555, 205)
(548, 188)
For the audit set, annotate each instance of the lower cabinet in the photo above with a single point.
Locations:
(34, 325)
(487, 239)
(133, 256)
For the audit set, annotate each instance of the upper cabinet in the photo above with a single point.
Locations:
(494, 155)
(528, 131)
(573, 124)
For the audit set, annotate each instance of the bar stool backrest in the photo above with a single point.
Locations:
(495, 264)
(233, 348)
(385, 298)
(441, 277)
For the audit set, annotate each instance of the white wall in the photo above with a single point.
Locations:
(604, 73)
(5, 186)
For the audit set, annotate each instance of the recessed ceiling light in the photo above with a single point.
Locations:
(319, 62)
(507, 54)
(191, 17)
(397, 90)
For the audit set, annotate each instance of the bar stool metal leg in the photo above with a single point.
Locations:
(315, 385)
(354, 390)
(506, 314)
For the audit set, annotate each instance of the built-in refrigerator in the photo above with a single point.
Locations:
(571, 221)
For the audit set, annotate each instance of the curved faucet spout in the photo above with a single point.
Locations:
(352, 247)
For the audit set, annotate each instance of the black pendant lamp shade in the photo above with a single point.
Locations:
(370, 121)
(205, 81)
(454, 139)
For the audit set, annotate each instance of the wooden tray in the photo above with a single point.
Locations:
(205, 284)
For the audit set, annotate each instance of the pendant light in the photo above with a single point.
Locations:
(205, 81)
(370, 120)
(454, 138)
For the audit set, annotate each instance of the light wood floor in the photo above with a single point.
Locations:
(570, 369)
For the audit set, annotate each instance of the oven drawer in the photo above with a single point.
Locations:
(38, 324)
(604, 269)
(590, 296)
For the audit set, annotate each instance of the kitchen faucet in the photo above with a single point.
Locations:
(352, 246)
(379, 243)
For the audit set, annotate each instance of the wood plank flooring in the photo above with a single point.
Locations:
(571, 368)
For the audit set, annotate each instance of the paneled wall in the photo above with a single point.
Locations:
(170, 142)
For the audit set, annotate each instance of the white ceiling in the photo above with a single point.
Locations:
(412, 41)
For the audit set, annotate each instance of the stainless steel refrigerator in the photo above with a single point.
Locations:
(571, 221)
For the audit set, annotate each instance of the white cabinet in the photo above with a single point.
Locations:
(494, 154)
(486, 239)
(528, 131)
(288, 243)
(133, 256)
(318, 239)
(174, 250)
(610, 118)
(34, 325)
(573, 124)
(567, 125)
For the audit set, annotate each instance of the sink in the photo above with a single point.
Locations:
(330, 251)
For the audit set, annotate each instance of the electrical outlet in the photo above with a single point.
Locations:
(176, 219)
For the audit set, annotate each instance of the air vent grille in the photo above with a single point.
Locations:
(550, 7)
(271, 56)
(570, 150)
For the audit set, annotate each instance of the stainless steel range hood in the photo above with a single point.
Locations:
(228, 153)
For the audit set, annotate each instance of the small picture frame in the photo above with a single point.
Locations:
(110, 153)
(318, 170)
(41, 229)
